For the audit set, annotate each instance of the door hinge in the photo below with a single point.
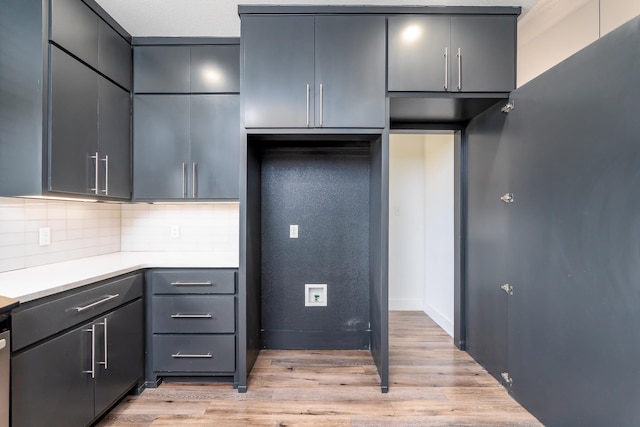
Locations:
(507, 198)
(507, 288)
(508, 107)
(507, 379)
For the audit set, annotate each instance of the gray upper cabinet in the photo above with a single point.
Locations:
(114, 55)
(460, 53)
(487, 59)
(215, 69)
(161, 69)
(278, 86)
(350, 71)
(73, 118)
(75, 27)
(306, 71)
(418, 53)
(161, 146)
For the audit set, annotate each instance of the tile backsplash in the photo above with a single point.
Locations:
(78, 230)
(84, 229)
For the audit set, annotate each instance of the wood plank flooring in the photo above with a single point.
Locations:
(431, 384)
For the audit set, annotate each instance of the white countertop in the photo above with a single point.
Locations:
(37, 282)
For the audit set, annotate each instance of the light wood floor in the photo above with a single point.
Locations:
(431, 384)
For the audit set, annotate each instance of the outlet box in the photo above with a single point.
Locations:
(293, 231)
(175, 231)
(44, 236)
(315, 295)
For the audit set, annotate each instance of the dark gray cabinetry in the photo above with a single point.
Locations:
(191, 323)
(215, 69)
(114, 55)
(75, 355)
(460, 53)
(186, 147)
(306, 71)
(75, 27)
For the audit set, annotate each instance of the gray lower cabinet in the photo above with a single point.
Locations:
(314, 71)
(186, 147)
(191, 323)
(70, 376)
(459, 53)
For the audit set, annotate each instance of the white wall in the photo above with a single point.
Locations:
(406, 222)
(555, 29)
(421, 258)
(439, 229)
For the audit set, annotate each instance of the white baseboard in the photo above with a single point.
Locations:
(405, 304)
(439, 318)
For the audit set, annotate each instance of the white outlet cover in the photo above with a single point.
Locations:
(293, 231)
(315, 295)
(175, 231)
(44, 236)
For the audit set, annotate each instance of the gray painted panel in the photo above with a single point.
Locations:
(488, 49)
(75, 27)
(215, 69)
(220, 348)
(215, 145)
(114, 55)
(220, 308)
(327, 195)
(161, 69)
(350, 65)
(114, 136)
(278, 66)
(416, 48)
(73, 124)
(160, 146)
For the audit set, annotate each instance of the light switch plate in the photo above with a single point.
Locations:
(175, 231)
(44, 236)
(293, 231)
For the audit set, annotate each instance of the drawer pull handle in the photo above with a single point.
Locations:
(192, 283)
(102, 301)
(191, 316)
(191, 356)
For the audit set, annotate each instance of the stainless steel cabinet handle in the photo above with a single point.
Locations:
(321, 104)
(106, 341)
(102, 301)
(96, 161)
(191, 283)
(92, 371)
(184, 180)
(191, 316)
(106, 175)
(308, 105)
(459, 69)
(191, 356)
(446, 68)
(194, 181)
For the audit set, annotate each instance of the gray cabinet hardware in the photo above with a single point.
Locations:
(191, 316)
(106, 175)
(191, 356)
(459, 68)
(194, 179)
(507, 288)
(105, 363)
(446, 68)
(92, 371)
(507, 198)
(207, 283)
(96, 162)
(184, 180)
(321, 103)
(308, 105)
(102, 301)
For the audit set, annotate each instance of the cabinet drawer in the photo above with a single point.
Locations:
(193, 281)
(193, 313)
(33, 322)
(194, 353)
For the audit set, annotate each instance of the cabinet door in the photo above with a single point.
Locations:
(73, 125)
(49, 383)
(161, 69)
(278, 71)
(160, 146)
(419, 53)
(215, 146)
(215, 69)
(75, 27)
(487, 53)
(119, 365)
(114, 55)
(114, 137)
(350, 71)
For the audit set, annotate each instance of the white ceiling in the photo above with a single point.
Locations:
(219, 18)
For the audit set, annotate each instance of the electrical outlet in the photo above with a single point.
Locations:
(44, 236)
(175, 231)
(293, 231)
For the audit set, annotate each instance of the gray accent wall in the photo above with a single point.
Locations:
(570, 154)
